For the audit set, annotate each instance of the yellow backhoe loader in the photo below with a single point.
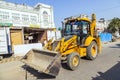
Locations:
(79, 40)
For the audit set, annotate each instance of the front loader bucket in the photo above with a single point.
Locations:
(45, 61)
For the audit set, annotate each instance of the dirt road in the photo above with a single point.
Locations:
(105, 67)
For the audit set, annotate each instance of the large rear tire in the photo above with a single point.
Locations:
(92, 51)
(73, 60)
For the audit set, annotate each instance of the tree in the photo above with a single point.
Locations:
(114, 25)
(60, 28)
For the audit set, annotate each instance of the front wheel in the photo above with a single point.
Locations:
(92, 50)
(73, 60)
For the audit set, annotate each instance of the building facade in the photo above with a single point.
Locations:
(102, 24)
(21, 15)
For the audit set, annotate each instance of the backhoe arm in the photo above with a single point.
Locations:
(93, 24)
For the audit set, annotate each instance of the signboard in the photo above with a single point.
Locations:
(6, 24)
(3, 41)
(34, 26)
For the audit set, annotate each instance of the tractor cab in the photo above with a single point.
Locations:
(79, 26)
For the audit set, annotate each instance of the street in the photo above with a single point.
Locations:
(105, 67)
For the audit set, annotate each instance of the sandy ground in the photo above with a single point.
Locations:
(105, 67)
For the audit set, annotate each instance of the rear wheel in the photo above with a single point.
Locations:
(73, 60)
(92, 51)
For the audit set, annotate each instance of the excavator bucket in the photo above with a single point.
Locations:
(45, 61)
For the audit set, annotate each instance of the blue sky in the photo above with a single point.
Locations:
(107, 9)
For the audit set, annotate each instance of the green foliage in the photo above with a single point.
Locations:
(114, 25)
(60, 28)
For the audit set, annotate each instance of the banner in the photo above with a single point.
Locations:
(6, 24)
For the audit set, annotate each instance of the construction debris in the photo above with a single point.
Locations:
(5, 60)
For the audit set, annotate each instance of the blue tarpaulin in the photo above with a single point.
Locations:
(105, 37)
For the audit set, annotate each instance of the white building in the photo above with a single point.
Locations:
(102, 24)
(21, 15)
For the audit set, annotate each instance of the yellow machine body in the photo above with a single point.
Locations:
(69, 46)
(72, 46)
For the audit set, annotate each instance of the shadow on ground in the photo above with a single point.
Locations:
(116, 46)
(112, 74)
(6, 55)
(35, 73)
(40, 75)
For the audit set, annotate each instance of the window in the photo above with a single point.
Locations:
(25, 18)
(15, 16)
(45, 18)
(77, 27)
(4, 15)
(33, 18)
(68, 28)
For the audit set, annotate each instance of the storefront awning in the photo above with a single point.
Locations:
(6, 24)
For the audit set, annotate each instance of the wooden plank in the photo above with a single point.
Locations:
(16, 37)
